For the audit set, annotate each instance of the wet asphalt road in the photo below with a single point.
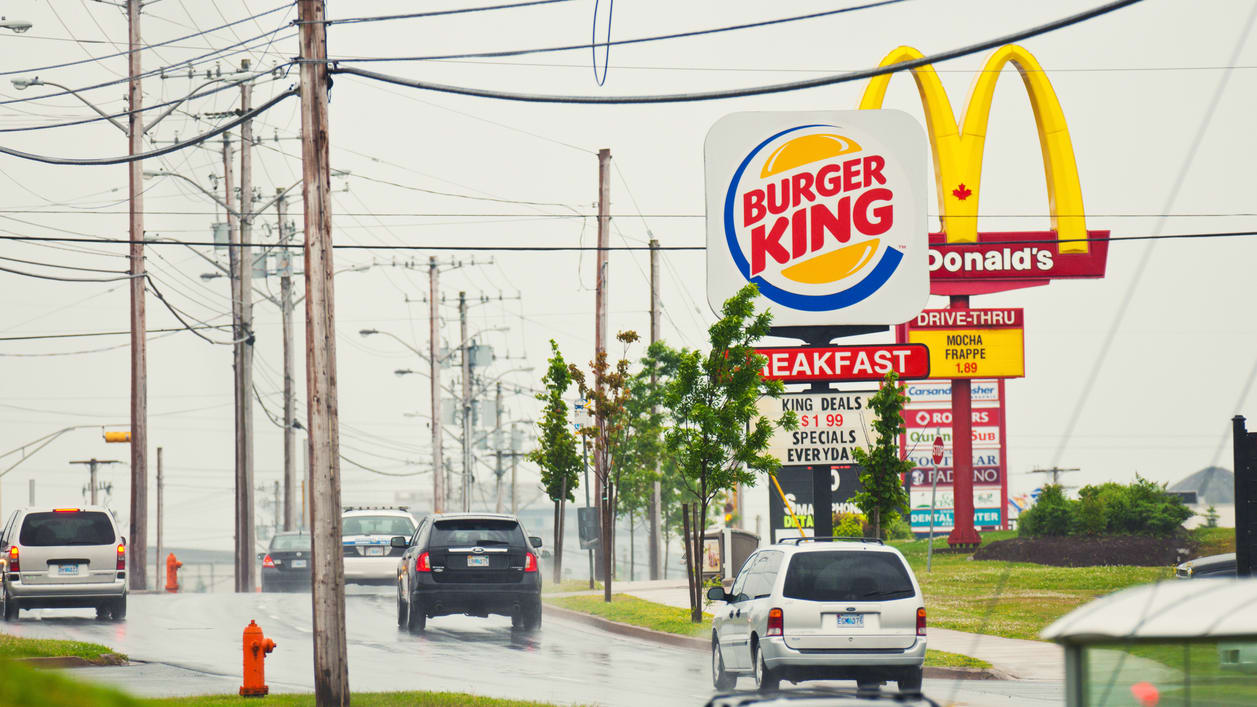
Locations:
(191, 644)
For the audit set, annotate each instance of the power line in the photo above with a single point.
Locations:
(64, 279)
(619, 42)
(434, 13)
(83, 334)
(157, 152)
(147, 46)
(65, 267)
(742, 92)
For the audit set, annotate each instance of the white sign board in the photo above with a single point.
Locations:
(831, 425)
(824, 210)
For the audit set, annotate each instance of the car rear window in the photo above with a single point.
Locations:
(377, 525)
(67, 528)
(290, 542)
(476, 531)
(847, 576)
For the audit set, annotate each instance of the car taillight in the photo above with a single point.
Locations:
(776, 622)
(268, 562)
(422, 563)
(530, 562)
(13, 563)
(122, 556)
(65, 510)
(921, 621)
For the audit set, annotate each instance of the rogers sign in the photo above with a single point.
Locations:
(824, 212)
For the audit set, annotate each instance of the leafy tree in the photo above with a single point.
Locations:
(881, 467)
(718, 436)
(1050, 515)
(556, 454)
(610, 431)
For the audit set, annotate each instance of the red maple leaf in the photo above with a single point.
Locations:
(961, 192)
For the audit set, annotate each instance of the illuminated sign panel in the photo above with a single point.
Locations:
(823, 211)
(848, 363)
(974, 343)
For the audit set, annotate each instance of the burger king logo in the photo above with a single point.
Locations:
(824, 216)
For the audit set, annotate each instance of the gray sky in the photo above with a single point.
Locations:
(1134, 86)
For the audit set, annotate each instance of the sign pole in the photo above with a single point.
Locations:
(963, 533)
(938, 459)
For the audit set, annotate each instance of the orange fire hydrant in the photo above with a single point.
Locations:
(172, 573)
(256, 646)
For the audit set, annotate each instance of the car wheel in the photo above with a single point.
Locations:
(118, 609)
(402, 617)
(102, 612)
(532, 616)
(766, 680)
(867, 686)
(910, 681)
(720, 678)
(416, 619)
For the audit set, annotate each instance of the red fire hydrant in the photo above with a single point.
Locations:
(172, 573)
(256, 646)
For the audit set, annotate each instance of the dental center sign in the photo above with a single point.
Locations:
(823, 211)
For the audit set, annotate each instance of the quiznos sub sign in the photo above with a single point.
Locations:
(823, 211)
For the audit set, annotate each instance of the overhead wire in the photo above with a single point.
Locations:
(828, 80)
(433, 13)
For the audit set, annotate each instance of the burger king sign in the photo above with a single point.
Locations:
(824, 211)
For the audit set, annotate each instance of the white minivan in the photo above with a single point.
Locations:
(820, 609)
(63, 557)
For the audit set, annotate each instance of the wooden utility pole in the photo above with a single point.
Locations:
(497, 442)
(655, 544)
(285, 309)
(331, 665)
(600, 348)
(247, 529)
(139, 353)
(438, 468)
(157, 560)
(466, 355)
(514, 489)
(91, 476)
(243, 559)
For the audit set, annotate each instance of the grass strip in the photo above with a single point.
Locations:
(569, 585)
(943, 659)
(372, 699)
(15, 647)
(23, 685)
(637, 612)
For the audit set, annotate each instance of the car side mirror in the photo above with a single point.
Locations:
(536, 541)
(399, 541)
(261, 555)
(718, 594)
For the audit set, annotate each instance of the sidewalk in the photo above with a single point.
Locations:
(1021, 659)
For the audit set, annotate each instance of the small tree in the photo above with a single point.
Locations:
(718, 436)
(556, 454)
(882, 469)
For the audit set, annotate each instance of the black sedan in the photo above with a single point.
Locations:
(286, 564)
(1212, 566)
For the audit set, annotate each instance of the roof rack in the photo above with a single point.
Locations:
(796, 541)
(346, 509)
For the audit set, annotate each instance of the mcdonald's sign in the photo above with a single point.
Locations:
(963, 261)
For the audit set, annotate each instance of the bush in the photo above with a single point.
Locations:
(897, 528)
(849, 525)
(1139, 508)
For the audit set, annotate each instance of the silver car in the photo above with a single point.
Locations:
(833, 609)
(64, 557)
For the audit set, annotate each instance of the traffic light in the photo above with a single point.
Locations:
(731, 505)
(118, 436)
(587, 527)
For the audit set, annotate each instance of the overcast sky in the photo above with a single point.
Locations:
(1135, 87)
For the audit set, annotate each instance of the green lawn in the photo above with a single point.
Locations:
(638, 612)
(569, 585)
(1012, 599)
(23, 685)
(1213, 541)
(14, 647)
(943, 659)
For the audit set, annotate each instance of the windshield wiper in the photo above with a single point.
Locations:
(891, 592)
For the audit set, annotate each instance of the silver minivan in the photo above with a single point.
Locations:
(827, 609)
(63, 557)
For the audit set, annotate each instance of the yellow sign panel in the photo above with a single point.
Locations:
(973, 353)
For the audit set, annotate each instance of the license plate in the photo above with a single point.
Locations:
(298, 564)
(477, 561)
(851, 620)
(375, 551)
(67, 569)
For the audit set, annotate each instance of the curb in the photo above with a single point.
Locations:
(649, 634)
(75, 661)
(700, 644)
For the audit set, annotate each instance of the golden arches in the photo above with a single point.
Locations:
(958, 156)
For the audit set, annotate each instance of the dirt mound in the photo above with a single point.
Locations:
(1082, 551)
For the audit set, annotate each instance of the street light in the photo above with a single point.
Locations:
(18, 26)
(23, 84)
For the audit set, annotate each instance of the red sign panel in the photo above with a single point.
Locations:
(849, 363)
(1006, 261)
(986, 475)
(941, 417)
(1008, 318)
